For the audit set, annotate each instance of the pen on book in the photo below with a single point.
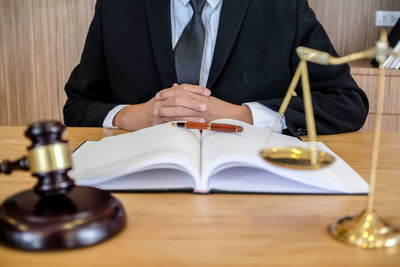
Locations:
(217, 127)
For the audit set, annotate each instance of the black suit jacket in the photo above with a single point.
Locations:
(128, 58)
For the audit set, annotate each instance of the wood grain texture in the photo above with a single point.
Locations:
(41, 42)
(390, 123)
(184, 229)
(368, 78)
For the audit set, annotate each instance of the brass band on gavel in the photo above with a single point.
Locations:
(47, 158)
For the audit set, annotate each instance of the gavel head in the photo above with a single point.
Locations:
(49, 158)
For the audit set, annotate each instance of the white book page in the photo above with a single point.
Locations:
(155, 179)
(256, 175)
(222, 150)
(232, 163)
(255, 180)
(159, 147)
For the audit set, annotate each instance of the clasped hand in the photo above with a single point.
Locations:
(179, 103)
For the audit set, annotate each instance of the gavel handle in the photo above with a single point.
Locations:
(8, 167)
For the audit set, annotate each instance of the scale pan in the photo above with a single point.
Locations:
(296, 157)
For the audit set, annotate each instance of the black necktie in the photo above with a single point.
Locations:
(188, 51)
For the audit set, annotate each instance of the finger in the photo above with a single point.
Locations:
(176, 112)
(196, 89)
(183, 90)
(178, 101)
(181, 96)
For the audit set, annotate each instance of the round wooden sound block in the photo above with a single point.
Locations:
(83, 217)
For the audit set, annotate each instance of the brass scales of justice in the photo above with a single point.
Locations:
(365, 229)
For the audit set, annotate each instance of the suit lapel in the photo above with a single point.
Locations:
(232, 15)
(159, 22)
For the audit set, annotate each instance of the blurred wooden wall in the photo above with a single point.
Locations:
(41, 42)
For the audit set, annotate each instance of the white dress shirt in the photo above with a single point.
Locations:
(262, 116)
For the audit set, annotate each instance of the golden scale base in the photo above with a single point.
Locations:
(365, 230)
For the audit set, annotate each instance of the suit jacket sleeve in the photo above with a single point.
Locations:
(339, 104)
(88, 88)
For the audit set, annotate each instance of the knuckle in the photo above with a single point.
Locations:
(162, 91)
(160, 95)
(165, 93)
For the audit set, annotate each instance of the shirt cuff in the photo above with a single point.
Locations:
(108, 121)
(264, 117)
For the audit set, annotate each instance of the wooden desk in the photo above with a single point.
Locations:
(171, 229)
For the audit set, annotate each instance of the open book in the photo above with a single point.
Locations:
(169, 158)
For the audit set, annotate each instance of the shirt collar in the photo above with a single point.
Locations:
(212, 3)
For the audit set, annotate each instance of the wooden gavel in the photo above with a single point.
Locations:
(48, 159)
(55, 213)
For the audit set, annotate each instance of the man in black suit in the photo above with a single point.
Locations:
(130, 74)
